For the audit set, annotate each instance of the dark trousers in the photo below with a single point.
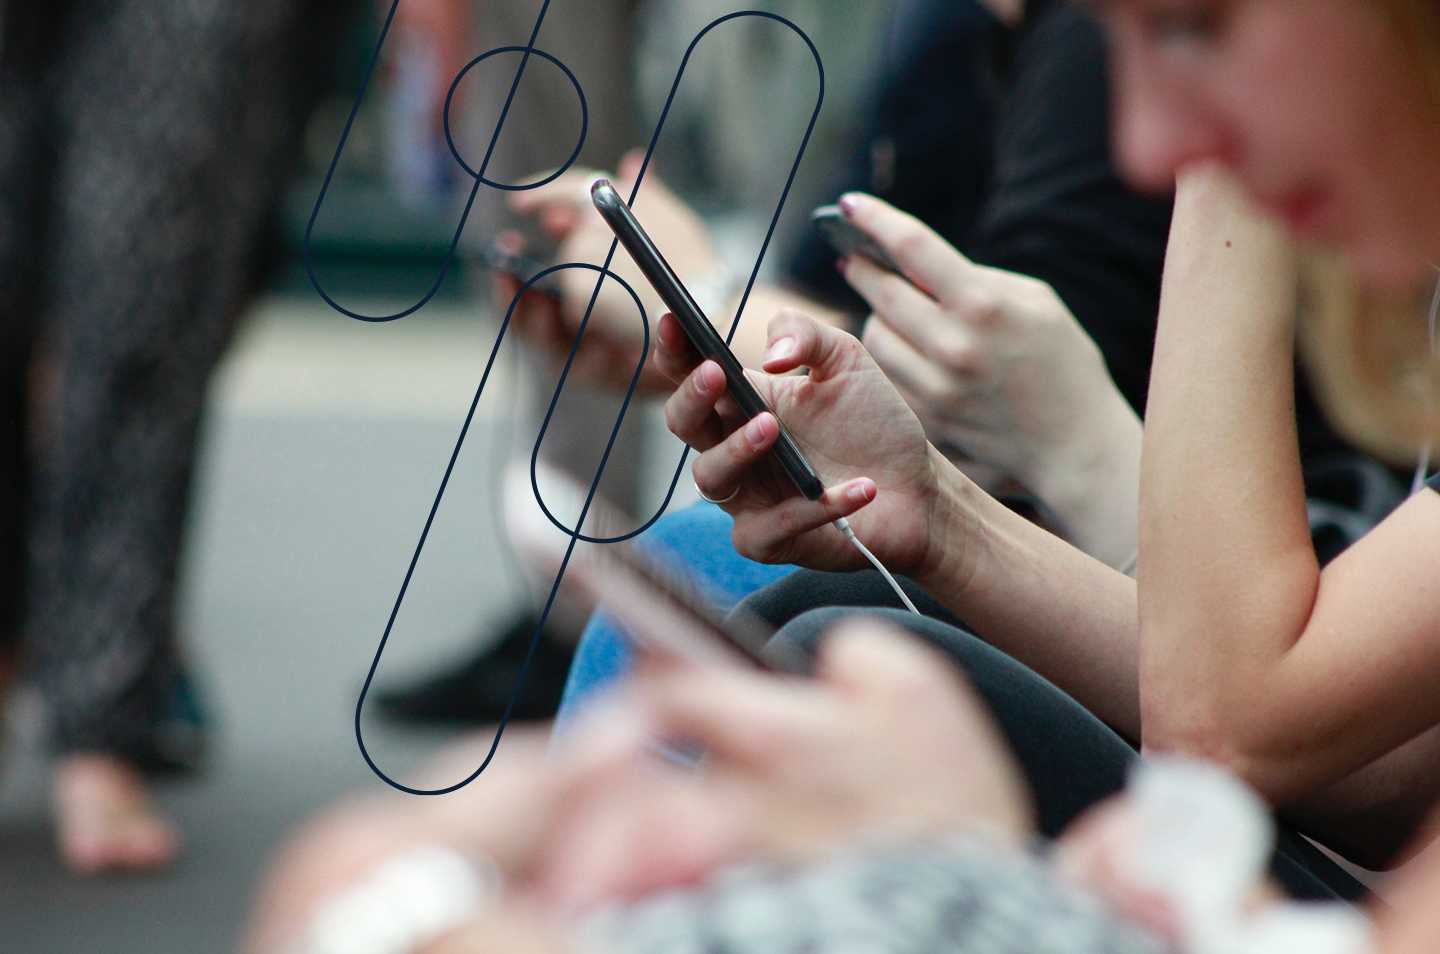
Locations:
(1069, 757)
(143, 147)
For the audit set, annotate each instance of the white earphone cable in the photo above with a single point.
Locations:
(844, 527)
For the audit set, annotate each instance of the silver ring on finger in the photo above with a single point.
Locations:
(708, 499)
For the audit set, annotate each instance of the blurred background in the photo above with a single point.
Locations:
(323, 439)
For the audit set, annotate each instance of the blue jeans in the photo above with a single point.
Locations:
(696, 541)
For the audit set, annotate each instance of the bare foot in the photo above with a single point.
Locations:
(105, 819)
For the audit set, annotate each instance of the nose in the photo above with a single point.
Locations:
(1158, 129)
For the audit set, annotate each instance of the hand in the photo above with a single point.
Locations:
(564, 212)
(993, 362)
(503, 816)
(886, 741)
(995, 365)
(602, 360)
(853, 426)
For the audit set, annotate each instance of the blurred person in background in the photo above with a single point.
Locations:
(142, 150)
(624, 54)
(594, 38)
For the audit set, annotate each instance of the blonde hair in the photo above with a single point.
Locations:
(1371, 361)
(1372, 355)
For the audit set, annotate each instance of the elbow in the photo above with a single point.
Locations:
(1212, 733)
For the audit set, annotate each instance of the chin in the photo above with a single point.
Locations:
(1389, 267)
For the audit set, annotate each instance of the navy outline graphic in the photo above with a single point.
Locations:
(603, 271)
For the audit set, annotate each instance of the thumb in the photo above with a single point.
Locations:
(796, 340)
(863, 656)
(630, 165)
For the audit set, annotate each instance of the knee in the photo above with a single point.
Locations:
(803, 635)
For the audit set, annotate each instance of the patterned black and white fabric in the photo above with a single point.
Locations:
(946, 897)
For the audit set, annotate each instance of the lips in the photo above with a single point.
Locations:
(1305, 211)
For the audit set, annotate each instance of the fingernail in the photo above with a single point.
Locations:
(847, 204)
(758, 430)
(841, 264)
(704, 380)
(780, 348)
(861, 491)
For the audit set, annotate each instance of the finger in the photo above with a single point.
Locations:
(768, 535)
(735, 715)
(914, 314)
(795, 340)
(690, 411)
(925, 258)
(510, 240)
(571, 188)
(675, 357)
(558, 221)
(630, 165)
(729, 412)
(719, 471)
(923, 384)
(536, 318)
(865, 657)
(649, 662)
(503, 288)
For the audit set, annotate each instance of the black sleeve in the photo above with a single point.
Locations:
(1058, 210)
(928, 135)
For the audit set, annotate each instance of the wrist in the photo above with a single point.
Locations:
(955, 531)
(1097, 462)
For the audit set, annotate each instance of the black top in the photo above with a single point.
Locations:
(999, 138)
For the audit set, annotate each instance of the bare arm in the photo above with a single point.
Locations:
(1248, 653)
(1058, 610)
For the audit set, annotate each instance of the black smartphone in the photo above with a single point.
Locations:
(496, 257)
(702, 334)
(847, 239)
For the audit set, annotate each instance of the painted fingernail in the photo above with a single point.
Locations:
(841, 264)
(861, 491)
(780, 348)
(847, 204)
(758, 430)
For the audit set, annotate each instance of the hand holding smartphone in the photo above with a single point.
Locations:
(697, 327)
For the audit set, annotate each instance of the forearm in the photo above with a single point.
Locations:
(1372, 816)
(1092, 486)
(1065, 614)
(1228, 572)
